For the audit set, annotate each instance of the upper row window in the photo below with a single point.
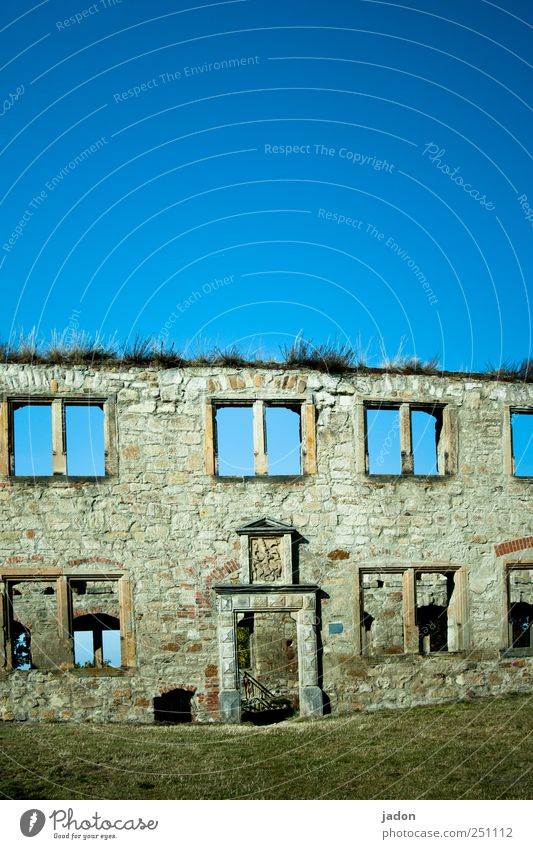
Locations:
(56, 437)
(406, 439)
(260, 438)
(522, 443)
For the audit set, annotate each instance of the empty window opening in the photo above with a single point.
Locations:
(522, 442)
(382, 629)
(367, 625)
(425, 434)
(434, 613)
(235, 441)
(290, 651)
(521, 608)
(83, 648)
(174, 706)
(283, 440)
(96, 623)
(32, 433)
(383, 441)
(84, 425)
(261, 438)
(96, 640)
(20, 646)
(33, 624)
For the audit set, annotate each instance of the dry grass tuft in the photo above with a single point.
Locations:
(326, 356)
(512, 371)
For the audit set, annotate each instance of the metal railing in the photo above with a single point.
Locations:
(257, 697)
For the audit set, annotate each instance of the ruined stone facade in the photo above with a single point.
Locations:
(338, 587)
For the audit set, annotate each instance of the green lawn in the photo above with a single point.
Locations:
(475, 750)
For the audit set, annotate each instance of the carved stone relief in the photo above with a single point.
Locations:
(265, 559)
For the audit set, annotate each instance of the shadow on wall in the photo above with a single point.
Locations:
(173, 707)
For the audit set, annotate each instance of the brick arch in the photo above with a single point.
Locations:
(203, 598)
(30, 560)
(104, 561)
(513, 545)
(188, 687)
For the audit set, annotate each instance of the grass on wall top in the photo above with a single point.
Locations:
(81, 349)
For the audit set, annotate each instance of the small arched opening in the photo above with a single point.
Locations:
(174, 706)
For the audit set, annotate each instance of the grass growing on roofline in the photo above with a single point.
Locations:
(473, 750)
(78, 349)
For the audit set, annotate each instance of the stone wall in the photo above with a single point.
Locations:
(165, 524)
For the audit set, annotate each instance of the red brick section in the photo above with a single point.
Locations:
(513, 545)
(21, 558)
(203, 599)
(103, 560)
(210, 700)
(169, 689)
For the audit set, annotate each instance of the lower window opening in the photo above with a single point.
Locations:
(21, 646)
(382, 614)
(521, 608)
(96, 641)
(521, 619)
(434, 592)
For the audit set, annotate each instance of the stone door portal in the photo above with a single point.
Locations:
(298, 600)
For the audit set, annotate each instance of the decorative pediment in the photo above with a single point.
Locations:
(266, 527)
(266, 552)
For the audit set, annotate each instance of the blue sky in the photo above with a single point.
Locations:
(243, 172)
